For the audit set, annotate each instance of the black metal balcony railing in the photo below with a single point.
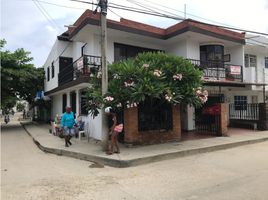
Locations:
(83, 66)
(218, 70)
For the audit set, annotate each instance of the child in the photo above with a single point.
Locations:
(115, 127)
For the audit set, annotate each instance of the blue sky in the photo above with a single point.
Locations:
(24, 26)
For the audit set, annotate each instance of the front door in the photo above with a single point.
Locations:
(66, 70)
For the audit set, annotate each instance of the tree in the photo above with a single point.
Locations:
(148, 76)
(20, 106)
(19, 78)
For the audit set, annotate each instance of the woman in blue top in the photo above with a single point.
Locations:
(68, 122)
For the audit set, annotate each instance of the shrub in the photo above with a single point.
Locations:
(148, 76)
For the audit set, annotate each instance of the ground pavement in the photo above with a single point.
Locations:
(92, 150)
(27, 173)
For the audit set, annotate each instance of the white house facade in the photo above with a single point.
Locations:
(231, 72)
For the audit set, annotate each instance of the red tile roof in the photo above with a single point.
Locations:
(143, 29)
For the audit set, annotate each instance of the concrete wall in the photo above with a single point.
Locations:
(64, 49)
(93, 126)
(179, 49)
(56, 105)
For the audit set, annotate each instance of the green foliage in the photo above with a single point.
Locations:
(19, 78)
(148, 76)
(20, 106)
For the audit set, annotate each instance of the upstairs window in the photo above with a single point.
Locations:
(48, 73)
(266, 62)
(123, 51)
(250, 60)
(52, 70)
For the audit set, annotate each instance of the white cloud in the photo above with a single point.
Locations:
(23, 25)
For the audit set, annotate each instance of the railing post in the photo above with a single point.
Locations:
(263, 116)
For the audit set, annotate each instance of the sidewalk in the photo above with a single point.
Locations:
(133, 156)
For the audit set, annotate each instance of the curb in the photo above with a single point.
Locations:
(145, 160)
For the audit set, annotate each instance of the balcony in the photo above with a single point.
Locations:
(219, 71)
(79, 69)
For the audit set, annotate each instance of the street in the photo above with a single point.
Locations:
(29, 173)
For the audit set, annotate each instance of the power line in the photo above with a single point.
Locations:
(133, 10)
(59, 5)
(49, 15)
(260, 42)
(114, 13)
(45, 14)
(187, 13)
(39, 8)
(152, 8)
(220, 26)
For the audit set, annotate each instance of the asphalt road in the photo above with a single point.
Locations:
(28, 173)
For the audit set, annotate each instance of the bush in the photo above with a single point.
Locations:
(148, 76)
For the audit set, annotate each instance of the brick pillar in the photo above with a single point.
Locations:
(131, 125)
(176, 122)
(223, 120)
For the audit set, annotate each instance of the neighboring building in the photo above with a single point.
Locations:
(220, 52)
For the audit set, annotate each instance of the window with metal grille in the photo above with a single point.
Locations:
(240, 102)
(123, 51)
(48, 73)
(266, 62)
(154, 114)
(250, 60)
(52, 70)
(83, 100)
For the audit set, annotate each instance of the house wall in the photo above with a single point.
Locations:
(93, 126)
(193, 49)
(179, 48)
(260, 73)
(56, 105)
(63, 49)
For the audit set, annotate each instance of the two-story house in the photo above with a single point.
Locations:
(219, 52)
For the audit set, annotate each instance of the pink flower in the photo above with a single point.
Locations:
(108, 98)
(157, 72)
(128, 84)
(146, 66)
(177, 77)
(202, 95)
(119, 105)
(168, 98)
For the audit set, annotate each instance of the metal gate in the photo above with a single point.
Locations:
(207, 118)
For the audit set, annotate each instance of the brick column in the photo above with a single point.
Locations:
(131, 125)
(223, 120)
(176, 132)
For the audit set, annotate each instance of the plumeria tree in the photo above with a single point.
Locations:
(148, 76)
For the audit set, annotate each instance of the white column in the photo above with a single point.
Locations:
(77, 101)
(191, 117)
(68, 98)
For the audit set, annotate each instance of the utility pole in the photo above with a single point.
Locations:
(104, 81)
(184, 11)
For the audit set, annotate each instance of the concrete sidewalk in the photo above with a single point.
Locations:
(133, 156)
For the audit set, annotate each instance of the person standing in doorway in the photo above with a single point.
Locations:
(67, 123)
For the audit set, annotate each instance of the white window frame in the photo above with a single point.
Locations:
(250, 60)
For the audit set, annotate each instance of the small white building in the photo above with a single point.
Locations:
(233, 71)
